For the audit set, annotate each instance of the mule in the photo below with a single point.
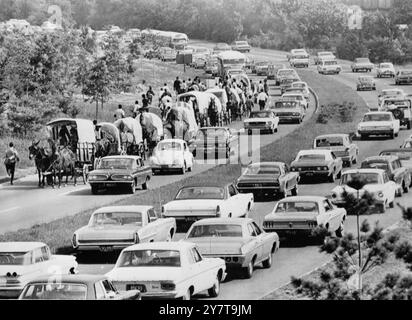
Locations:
(42, 161)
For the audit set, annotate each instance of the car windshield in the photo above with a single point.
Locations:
(149, 258)
(15, 258)
(375, 165)
(211, 134)
(292, 96)
(241, 43)
(330, 63)
(286, 105)
(362, 60)
(329, 142)
(294, 207)
(326, 53)
(201, 193)
(391, 92)
(386, 65)
(406, 73)
(312, 157)
(263, 114)
(398, 103)
(55, 291)
(216, 231)
(300, 57)
(402, 155)
(116, 164)
(116, 219)
(376, 117)
(262, 169)
(165, 146)
(367, 178)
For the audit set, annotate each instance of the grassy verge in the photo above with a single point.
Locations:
(58, 233)
(370, 279)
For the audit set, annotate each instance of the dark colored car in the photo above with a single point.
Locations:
(362, 64)
(403, 77)
(75, 287)
(269, 178)
(120, 171)
(393, 167)
(216, 141)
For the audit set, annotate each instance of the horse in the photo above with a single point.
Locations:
(63, 162)
(42, 161)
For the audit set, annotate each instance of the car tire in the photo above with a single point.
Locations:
(248, 271)
(268, 262)
(339, 175)
(188, 295)
(144, 185)
(295, 191)
(392, 205)
(215, 290)
(132, 187)
(95, 190)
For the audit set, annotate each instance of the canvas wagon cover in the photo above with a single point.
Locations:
(85, 128)
(203, 100)
(189, 116)
(132, 126)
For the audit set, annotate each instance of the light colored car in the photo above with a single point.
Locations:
(341, 144)
(390, 93)
(193, 203)
(401, 108)
(302, 86)
(167, 54)
(287, 73)
(241, 46)
(172, 155)
(296, 51)
(385, 69)
(299, 60)
(403, 77)
(115, 228)
(318, 162)
(264, 120)
(262, 68)
(299, 97)
(288, 110)
(377, 184)
(239, 242)
(362, 64)
(329, 67)
(379, 123)
(167, 270)
(404, 155)
(302, 214)
(365, 83)
(21, 262)
(324, 55)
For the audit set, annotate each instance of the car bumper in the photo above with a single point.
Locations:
(189, 218)
(160, 295)
(283, 119)
(110, 184)
(259, 190)
(259, 127)
(284, 233)
(10, 292)
(385, 132)
(308, 174)
(232, 261)
(103, 247)
(404, 80)
(365, 87)
(166, 167)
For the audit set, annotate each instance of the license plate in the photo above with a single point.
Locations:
(290, 232)
(309, 173)
(139, 287)
(106, 248)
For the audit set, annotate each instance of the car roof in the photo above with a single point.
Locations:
(303, 198)
(20, 246)
(123, 209)
(175, 246)
(231, 221)
(70, 278)
(386, 158)
(364, 170)
(122, 157)
(273, 163)
(315, 151)
(335, 135)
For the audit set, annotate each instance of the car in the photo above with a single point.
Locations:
(365, 83)
(404, 155)
(341, 144)
(301, 215)
(241, 46)
(171, 155)
(390, 93)
(302, 87)
(261, 121)
(403, 77)
(296, 51)
(378, 123)
(318, 162)
(199, 61)
(170, 270)
(262, 68)
(211, 65)
(329, 67)
(407, 143)
(377, 184)
(221, 47)
(287, 73)
(208, 200)
(216, 141)
(288, 110)
(362, 64)
(75, 287)
(21, 262)
(385, 69)
(273, 69)
(167, 54)
(299, 97)
(394, 169)
(299, 60)
(324, 55)
(401, 108)
(120, 171)
(239, 242)
(115, 228)
(269, 178)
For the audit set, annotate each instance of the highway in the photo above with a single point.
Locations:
(21, 209)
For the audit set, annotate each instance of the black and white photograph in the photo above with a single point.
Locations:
(236, 151)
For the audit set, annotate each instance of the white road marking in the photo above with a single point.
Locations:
(9, 209)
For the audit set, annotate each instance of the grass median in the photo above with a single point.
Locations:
(57, 234)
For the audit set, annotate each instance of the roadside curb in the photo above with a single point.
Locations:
(316, 99)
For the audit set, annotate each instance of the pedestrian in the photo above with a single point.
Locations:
(262, 99)
(97, 132)
(145, 102)
(176, 85)
(119, 113)
(11, 158)
(265, 86)
(261, 86)
(150, 94)
(136, 108)
(250, 105)
(166, 87)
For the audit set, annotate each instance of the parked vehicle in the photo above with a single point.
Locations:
(193, 203)
(21, 262)
(168, 270)
(377, 184)
(385, 69)
(365, 83)
(241, 46)
(269, 178)
(75, 287)
(403, 77)
(379, 124)
(261, 121)
(394, 169)
(324, 55)
(172, 155)
(115, 171)
(362, 64)
(329, 67)
(288, 110)
(401, 108)
(301, 215)
(115, 228)
(341, 145)
(320, 163)
(212, 65)
(239, 242)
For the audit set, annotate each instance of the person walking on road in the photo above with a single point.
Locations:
(266, 86)
(176, 85)
(119, 113)
(249, 106)
(11, 158)
(262, 99)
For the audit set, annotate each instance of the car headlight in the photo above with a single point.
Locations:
(74, 241)
(296, 114)
(122, 177)
(380, 194)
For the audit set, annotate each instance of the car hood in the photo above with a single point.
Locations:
(110, 171)
(386, 70)
(167, 157)
(146, 274)
(110, 232)
(291, 216)
(306, 163)
(370, 188)
(193, 204)
(363, 64)
(259, 178)
(258, 120)
(219, 245)
(333, 148)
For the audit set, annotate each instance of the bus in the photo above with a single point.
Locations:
(174, 40)
(230, 60)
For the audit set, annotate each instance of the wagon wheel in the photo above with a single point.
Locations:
(85, 173)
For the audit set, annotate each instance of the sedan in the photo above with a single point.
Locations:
(240, 242)
(403, 77)
(264, 120)
(341, 145)
(386, 69)
(365, 83)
